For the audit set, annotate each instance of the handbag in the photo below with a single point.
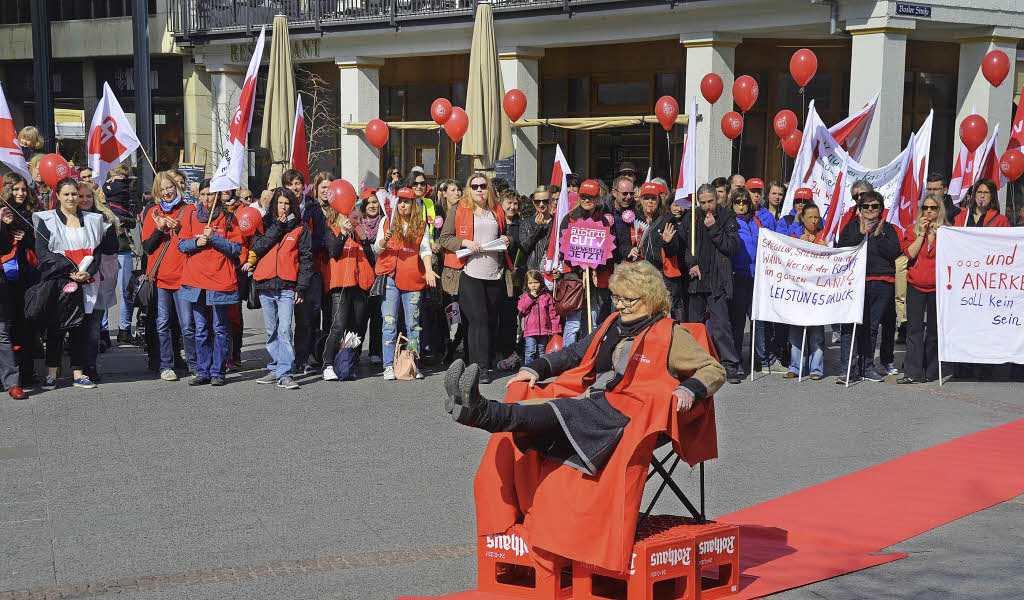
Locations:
(252, 295)
(380, 286)
(405, 360)
(568, 296)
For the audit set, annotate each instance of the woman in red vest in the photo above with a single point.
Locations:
(482, 279)
(405, 258)
(982, 208)
(350, 277)
(212, 244)
(284, 266)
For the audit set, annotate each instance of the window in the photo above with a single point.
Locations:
(924, 92)
(622, 93)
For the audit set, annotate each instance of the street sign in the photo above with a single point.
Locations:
(913, 10)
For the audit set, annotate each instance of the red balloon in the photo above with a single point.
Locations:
(1012, 164)
(666, 109)
(377, 133)
(249, 220)
(554, 344)
(785, 123)
(457, 125)
(732, 124)
(341, 196)
(52, 169)
(711, 87)
(791, 143)
(514, 104)
(973, 131)
(744, 91)
(995, 67)
(803, 66)
(441, 111)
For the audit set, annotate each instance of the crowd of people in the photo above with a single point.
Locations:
(432, 271)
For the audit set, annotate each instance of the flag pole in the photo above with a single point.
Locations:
(150, 161)
(803, 344)
(590, 324)
(853, 344)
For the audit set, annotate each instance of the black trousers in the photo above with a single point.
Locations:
(348, 312)
(716, 309)
(677, 292)
(77, 337)
(525, 418)
(739, 310)
(480, 301)
(887, 341)
(307, 321)
(878, 296)
(922, 359)
(508, 325)
(9, 372)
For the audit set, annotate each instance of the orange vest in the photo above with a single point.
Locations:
(351, 268)
(401, 261)
(208, 269)
(464, 230)
(282, 260)
(670, 265)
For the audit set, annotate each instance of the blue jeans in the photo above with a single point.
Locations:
(814, 353)
(92, 325)
(124, 276)
(410, 302)
(533, 347)
(278, 307)
(167, 300)
(764, 353)
(575, 327)
(211, 354)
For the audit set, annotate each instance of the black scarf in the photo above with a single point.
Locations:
(620, 330)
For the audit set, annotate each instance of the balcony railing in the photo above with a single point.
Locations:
(229, 18)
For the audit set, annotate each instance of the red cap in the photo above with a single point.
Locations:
(755, 184)
(650, 189)
(803, 194)
(662, 189)
(406, 193)
(367, 193)
(590, 188)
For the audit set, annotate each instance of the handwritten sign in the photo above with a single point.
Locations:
(979, 284)
(801, 283)
(587, 243)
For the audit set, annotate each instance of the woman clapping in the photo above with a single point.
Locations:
(921, 363)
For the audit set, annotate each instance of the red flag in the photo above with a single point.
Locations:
(561, 169)
(836, 207)
(10, 148)
(228, 175)
(111, 137)
(988, 161)
(851, 133)
(1017, 130)
(300, 155)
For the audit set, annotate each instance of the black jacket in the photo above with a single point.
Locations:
(654, 245)
(715, 247)
(262, 243)
(121, 201)
(53, 265)
(533, 239)
(882, 249)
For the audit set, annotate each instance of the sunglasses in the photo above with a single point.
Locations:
(929, 207)
(870, 206)
(857, 196)
(420, 184)
(741, 203)
(539, 202)
(478, 186)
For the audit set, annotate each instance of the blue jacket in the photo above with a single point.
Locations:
(745, 257)
(786, 228)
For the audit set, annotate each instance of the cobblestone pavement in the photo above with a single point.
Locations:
(153, 490)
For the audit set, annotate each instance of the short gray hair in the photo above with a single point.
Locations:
(706, 188)
(862, 184)
(660, 181)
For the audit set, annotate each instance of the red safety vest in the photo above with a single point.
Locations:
(670, 265)
(464, 230)
(401, 261)
(351, 268)
(282, 260)
(208, 269)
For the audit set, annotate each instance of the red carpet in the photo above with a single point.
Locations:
(829, 529)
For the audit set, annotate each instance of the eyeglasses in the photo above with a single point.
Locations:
(627, 302)
(419, 184)
(627, 194)
(931, 207)
(478, 186)
(539, 202)
(982, 193)
(741, 203)
(870, 206)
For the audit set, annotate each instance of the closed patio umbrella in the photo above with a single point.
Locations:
(489, 137)
(279, 105)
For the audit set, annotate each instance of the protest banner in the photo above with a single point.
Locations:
(979, 285)
(587, 243)
(804, 284)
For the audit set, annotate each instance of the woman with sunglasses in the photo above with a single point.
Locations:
(880, 287)
(419, 186)
(483, 280)
(921, 362)
(743, 268)
(534, 232)
(394, 180)
(982, 208)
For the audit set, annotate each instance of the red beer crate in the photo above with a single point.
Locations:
(505, 565)
(667, 564)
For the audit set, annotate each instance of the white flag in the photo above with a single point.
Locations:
(10, 147)
(111, 137)
(229, 173)
(559, 173)
(686, 186)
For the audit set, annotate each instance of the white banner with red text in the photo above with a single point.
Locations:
(802, 283)
(979, 285)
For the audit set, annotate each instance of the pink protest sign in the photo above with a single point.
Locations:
(587, 243)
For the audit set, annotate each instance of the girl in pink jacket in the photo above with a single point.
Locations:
(540, 320)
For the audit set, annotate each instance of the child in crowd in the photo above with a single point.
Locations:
(540, 320)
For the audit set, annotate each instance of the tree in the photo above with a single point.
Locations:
(323, 123)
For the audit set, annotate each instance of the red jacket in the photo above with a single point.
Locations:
(401, 261)
(992, 218)
(209, 268)
(920, 270)
(168, 274)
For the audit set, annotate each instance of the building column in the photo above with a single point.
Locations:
(198, 113)
(520, 69)
(994, 104)
(878, 62)
(89, 92)
(710, 53)
(225, 91)
(359, 103)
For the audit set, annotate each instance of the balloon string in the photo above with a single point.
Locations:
(437, 157)
(739, 155)
(803, 106)
(668, 144)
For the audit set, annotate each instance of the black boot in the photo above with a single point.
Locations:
(451, 386)
(471, 407)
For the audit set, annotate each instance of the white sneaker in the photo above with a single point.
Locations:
(891, 369)
(329, 374)
(168, 375)
(376, 360)
(419, 375)
(389, 373)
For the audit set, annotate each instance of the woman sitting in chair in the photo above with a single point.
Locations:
(638, 355)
